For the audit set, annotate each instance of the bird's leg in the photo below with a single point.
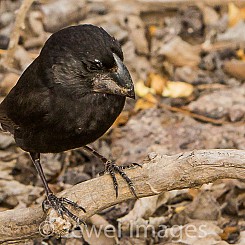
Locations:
(52, 201)
(112, 168)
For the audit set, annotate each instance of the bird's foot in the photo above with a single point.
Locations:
(58, 204)
(112, 168)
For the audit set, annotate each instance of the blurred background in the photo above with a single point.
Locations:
(187, 61)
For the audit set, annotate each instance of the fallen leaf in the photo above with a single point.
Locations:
(8, 83)
(156, 82)
(180, 53)
(143, 209)
(193, 192)
(210, 16)
(204, 207)
(152, 30)
(147, 102)
(177, 89)
(228, 231)
(235, 33)
(179, 209)
(195, 233)
(240, 54)
(121, 119)
(96, 236)
(136, 29)
(235, 68)
(141, 89)
(235, 14)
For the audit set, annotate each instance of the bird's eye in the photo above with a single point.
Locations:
(95, 65)
(98, 64)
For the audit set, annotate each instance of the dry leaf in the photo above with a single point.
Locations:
(147, 102)
(235, 33)
(204, 207)
(141, 90)
(210, 16)
(235, 68)
(177, 89)
(194, 233)
(14, 193)
(235, 14)
(136, 29)
(193, 192)
(3, 51)
(143, 210)
(8, 83)
(121, 119)
(240, 54)
(152, 30)
(156, 82)
(99, 221)
(98, 237)
(180, 53)
(179, 209)
(227, 232)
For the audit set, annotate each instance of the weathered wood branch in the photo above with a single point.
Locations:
(159, 173)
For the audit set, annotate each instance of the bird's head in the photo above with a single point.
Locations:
(87, 57)
(115, 81)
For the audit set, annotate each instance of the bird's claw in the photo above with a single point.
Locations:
(112, 168)
(58, 204)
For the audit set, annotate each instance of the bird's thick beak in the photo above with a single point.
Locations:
(115, 82)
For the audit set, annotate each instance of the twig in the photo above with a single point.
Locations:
(198, 116)
(19, 25)
(221, 45)
(159, 173)
(193, 115)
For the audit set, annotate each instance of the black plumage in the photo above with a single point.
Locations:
(68, 97)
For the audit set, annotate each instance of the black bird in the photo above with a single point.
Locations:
(68, 97)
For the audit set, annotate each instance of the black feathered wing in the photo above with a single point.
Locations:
(6, 123)
(27, 104)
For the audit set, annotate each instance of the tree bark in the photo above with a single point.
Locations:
(159, 173)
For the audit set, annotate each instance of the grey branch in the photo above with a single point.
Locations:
(159, 173)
